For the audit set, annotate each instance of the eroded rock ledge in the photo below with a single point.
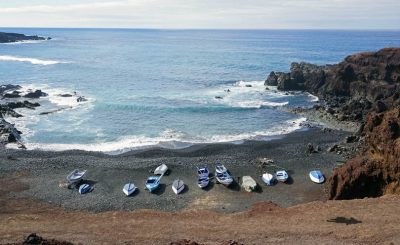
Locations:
(365, 87)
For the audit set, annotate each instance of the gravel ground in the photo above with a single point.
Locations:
(45, 171)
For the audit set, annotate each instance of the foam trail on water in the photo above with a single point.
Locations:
(33, 61)
(169, 139)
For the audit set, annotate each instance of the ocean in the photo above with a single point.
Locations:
(166, 88)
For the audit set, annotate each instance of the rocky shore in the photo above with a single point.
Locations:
(365, 89)
(16, 37)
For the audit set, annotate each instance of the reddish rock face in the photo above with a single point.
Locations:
(377, 170)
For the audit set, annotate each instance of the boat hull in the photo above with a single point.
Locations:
(178, 186)
(129, 189)
(317, 177)
(85, 188)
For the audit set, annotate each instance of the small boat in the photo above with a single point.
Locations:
(282, 176)
(316, 176)
(178, 186)
(268, 179)
(75, 176)
(129, 188)
(203, 179)
(224, 178)
(153, 182)
(203, 182)
(161, 170)
(203, 172)
(249, 184)
(220, 168)
(85, 188)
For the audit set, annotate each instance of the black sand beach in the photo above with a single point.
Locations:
(45, 172)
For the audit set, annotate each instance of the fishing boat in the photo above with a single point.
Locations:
(153, 182)
(203, 172)
(203, 179)
(316, 176)
(268, 178)
(129, 188)
(161, 170)
(178, 186)
(203, 182)
(224, 178)
(75, 176)
(85, 188)
(282, 176)
(220, 168)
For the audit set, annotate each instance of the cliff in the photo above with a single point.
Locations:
(360, 84)
(364, 87)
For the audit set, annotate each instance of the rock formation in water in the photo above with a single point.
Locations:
(365, 87)
(15, 37)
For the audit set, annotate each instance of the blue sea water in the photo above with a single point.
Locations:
(159, 87)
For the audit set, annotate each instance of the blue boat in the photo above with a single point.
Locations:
(317, 176)
(153, 182)
(85, 188)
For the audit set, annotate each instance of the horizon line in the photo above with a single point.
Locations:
(205, 29)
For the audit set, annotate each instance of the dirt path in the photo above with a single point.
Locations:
(367, 221)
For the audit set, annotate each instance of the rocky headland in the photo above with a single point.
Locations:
(16, 37)
(363, 88)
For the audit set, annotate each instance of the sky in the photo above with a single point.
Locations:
(202, 14)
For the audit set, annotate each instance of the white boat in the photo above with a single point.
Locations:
(203, 179)
(161, 170)
(85, 188)
(75, 176)
(203, 182)
(178, 186)
(282, 176)
(249, 184)
(316, 176)
(153, 182)
(224, 178)
(220, 168)
(268, 179)
(203, 172)
(129, 188)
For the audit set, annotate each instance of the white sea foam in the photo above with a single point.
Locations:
(33, 61)
(169, 139)
(25, 42)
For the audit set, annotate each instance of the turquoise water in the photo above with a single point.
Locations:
(158, 87)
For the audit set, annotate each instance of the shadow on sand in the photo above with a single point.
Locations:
(344, 220)
(160, 190)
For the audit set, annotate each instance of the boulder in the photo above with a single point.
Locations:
(249, 184)
(14, 94)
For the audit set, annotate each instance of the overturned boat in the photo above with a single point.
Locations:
(249, 184)
(317, 176)
(129, 189)
(178, 186)
(161, 170)
(268, 179)
(76, 176)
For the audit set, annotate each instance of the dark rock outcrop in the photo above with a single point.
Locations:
(35, 95)
(358, 85)
(15, 37)
(272, 80)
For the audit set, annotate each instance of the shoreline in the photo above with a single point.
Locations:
(45, 171)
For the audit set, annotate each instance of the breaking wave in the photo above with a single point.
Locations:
(33, 61)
